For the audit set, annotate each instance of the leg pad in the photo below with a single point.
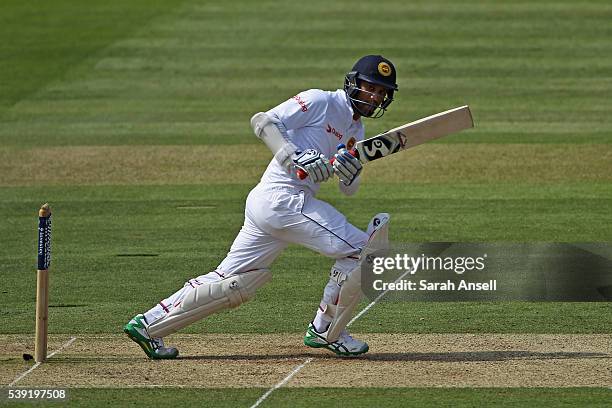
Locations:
(210, 298)
(350, 289)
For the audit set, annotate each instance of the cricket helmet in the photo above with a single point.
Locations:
(374, 69)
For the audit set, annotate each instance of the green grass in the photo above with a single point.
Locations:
(43, 41)
(96, 227)
(339, 397)
(167, 73)
(181, 72)
(440, 397)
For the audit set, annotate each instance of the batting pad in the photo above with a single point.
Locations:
(350, 291)
(210, 298)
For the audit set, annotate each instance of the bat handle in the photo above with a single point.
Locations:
(302, 174)
(342, 147)
(339, 148)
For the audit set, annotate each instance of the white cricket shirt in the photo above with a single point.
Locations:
(314, 119)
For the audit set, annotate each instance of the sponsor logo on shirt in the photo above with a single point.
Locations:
(350, 143)
(301, 102)
(334, 132)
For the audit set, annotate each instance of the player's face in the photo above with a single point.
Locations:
(373, 95)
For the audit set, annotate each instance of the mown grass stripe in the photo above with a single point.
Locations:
(432, 163)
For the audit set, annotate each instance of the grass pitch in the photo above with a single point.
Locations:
(132, 121)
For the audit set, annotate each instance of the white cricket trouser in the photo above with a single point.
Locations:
(274, 218)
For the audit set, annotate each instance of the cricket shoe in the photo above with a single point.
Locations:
(344, 346)
(136, 329)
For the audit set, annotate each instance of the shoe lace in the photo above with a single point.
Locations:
(158, 343)
(345, 337)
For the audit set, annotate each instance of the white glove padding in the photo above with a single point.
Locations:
(346, 166)
(317, 166)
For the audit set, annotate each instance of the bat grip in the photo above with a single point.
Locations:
(302, 174)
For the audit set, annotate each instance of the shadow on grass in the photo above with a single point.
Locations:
(443, 357)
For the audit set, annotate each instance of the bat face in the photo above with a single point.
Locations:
(410, 135)
(414, 133)
(380, 146)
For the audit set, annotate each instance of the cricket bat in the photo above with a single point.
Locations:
(410, 135)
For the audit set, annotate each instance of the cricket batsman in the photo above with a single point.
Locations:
(310, 135)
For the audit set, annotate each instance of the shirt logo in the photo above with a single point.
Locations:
(301, 102)
(334, 132)
(350, 143)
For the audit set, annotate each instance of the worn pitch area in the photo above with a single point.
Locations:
(90, 165)
(395, 360)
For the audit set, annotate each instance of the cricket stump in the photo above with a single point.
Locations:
(42, 282)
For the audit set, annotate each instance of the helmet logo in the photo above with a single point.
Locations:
(384, 69)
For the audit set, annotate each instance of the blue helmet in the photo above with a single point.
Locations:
(374, 69)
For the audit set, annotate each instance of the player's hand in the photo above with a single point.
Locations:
(316, 165)
(346, 166)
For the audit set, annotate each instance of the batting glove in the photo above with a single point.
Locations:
(317, 166)
(346, 166)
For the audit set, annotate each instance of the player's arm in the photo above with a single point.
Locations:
(350, 189)
(305, 109)
(275, 137)
(310, 161)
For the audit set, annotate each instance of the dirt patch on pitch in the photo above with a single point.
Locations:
(104, 165)
(125, 165)
(488, 162)
(395, 360)
(464, 360)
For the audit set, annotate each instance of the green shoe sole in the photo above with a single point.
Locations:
(145, 344)
(140, 340)
(310, 341)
